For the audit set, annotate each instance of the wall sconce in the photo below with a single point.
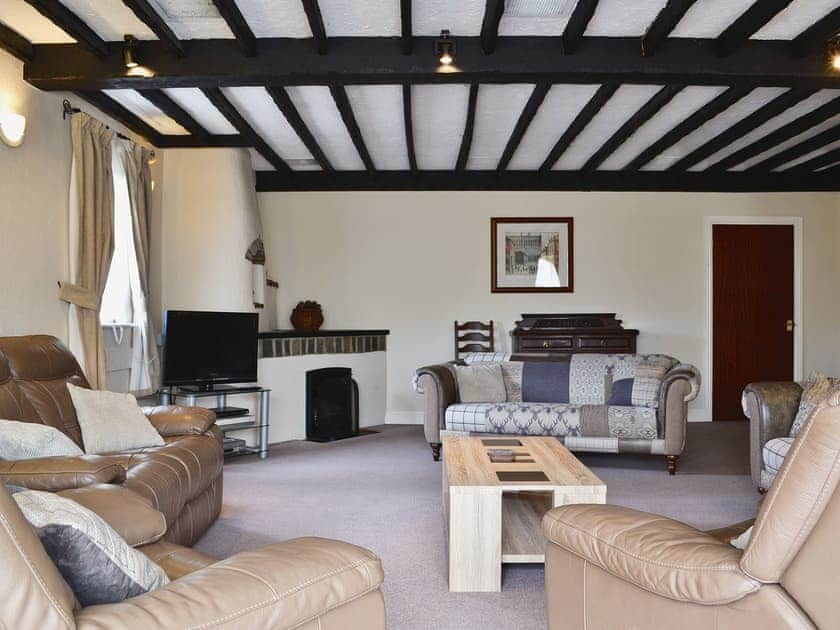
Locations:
(128, 52)
(445, 48)
(834, 53)
(12, 128)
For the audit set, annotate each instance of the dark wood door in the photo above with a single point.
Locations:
(752, 315)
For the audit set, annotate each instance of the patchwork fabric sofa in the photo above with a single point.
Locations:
(614, 403)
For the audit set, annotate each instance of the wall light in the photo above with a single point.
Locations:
(12, 128)
(445, 48)
(128, 52)
(834, 53)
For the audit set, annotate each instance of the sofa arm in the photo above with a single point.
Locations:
(174, 420)
(771, 408)
(286, 585)
(62, 473)
(680, 386)
(438, 384)
(657, 554)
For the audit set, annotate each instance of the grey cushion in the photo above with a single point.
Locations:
(28, 440)
(98, 565)
(480, 383)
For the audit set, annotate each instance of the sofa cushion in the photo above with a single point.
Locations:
(774, 453)
(559, 419)
(813, 393)
(97, 564)
(467, 416)
(480, 383)
(545, 382)
(622, 392)
(632, 422)
(28, 440)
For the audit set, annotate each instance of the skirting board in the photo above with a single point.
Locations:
(404, 417)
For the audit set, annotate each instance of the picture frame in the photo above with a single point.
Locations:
(531, 255)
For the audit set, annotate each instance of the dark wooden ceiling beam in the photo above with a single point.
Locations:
(164, 103)
(742, 128)
(528, 112)
(695, 120)
(820, 161)
(750, 21)
(576, 26)
(220, 141)
(218, 63)
(493, 11)
(556, 180)
(346, 110)
(645, 113)
(118, 112)
(236, 119)
(408, 122)
(238, 25)
(316, 25)
(469, 126)
(290, 112)
(663, 24)
(815, 37)
(406, 29)
(798, 150)
(592, 107)
(16, 44)
(782, 134)
(151, 18)
(71, 24)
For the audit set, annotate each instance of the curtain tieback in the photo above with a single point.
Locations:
(78, 295)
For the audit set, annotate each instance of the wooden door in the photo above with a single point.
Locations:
(752, 314)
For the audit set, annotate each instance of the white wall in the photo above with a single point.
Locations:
(413, 262)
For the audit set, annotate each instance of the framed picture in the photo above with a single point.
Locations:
(531, 255)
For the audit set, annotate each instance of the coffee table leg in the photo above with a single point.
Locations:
(475, 539)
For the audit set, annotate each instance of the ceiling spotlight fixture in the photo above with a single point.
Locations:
(834, 52)
(128, 52)
(445, 48)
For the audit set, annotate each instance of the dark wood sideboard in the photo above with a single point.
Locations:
(572, 333)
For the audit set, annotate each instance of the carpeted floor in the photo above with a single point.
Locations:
(383, 491)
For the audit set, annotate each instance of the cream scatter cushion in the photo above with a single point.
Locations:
(816, 390)
(480, 383)
(28, 440)
(111, 421)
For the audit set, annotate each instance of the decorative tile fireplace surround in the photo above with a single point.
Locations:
(285, 356)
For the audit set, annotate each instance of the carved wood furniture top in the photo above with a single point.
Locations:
(572, 333)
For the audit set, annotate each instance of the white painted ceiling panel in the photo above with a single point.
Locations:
(461, 18)
(813, 131)
(275, 18)
(379, 112)
(496, 111)
(201, 109)
(439, 113)
(625, 102)
(20, 16)
(620, 18)
(259, 109)
(829, 147)
(523, 26)
(259, 162)
(137, 104)
(709, 18)
(683, 105)
(828, 166)
(720, 123)
(111, 19)
(789, 115)
(371, 18)
(795, 18)
(317, 108)
(560, 107)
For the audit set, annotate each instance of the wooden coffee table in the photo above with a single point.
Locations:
(494, 511)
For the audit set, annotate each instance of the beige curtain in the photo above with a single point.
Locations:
(94, 192)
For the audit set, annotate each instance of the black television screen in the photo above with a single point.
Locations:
(202, 348)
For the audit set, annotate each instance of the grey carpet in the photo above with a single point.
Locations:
(383, 491)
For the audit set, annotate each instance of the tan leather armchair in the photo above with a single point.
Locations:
(308, 583)
(612, 567)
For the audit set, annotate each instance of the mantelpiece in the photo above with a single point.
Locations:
(291, 343)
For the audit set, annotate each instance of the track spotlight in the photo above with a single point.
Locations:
(445, 48)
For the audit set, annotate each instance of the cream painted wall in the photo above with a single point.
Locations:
(413, 262)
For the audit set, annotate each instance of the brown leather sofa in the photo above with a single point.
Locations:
(612, 567)
(182, 479)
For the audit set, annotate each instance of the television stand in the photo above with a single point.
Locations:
(230, 418)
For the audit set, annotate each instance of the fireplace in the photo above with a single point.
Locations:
(332, 405)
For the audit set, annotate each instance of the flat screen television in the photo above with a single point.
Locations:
(202, 349)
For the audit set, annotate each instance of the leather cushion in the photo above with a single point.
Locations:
(177, 560)
(174, 420)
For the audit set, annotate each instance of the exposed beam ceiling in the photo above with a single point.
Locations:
(665, 21)
(407, 36)
(798, 150)
(292, 116)
(575, 27)
(13, 42)
(814, 37)
(118, 112)
(821, 161)
(238, 25)
(493, 11)
(737, 33)
(408, 124)
(71, 24)
(469, 126)
(164, 103)
(151, 18)
(216, 63)
(346, 110)
(316, 25)
(525, 118)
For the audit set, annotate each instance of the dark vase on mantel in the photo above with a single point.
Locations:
(307, 316)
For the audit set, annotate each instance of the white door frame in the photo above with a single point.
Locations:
(796, 222)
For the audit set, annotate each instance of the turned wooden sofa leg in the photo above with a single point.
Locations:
(672, 464)
(435, 450)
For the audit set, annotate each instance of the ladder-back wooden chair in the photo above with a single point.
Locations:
(473, 337)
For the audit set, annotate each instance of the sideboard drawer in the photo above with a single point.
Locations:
(555, 343)
(607, 343)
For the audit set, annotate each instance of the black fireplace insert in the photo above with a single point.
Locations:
(332, 405)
